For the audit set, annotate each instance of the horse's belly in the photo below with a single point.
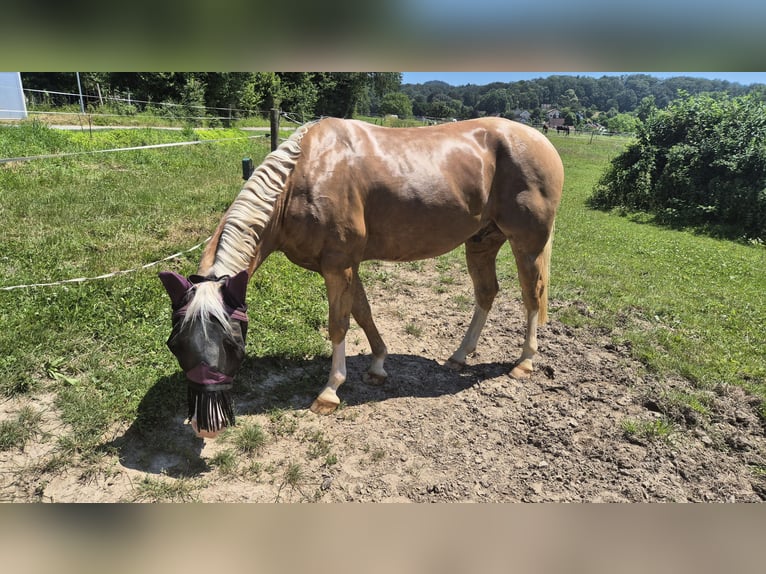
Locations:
(401, 237)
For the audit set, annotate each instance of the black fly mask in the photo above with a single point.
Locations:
(208, 339)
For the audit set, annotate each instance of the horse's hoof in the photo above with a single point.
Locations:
(374, 378)
(454, 365)
(323, 407)
(520, 372)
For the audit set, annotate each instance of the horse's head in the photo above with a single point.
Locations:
(208, 339)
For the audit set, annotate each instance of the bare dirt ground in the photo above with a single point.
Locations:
(431, 434)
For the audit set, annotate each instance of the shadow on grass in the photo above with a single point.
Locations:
(160, 442)
(679, 221)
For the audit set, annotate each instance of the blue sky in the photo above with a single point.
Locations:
(483, 78)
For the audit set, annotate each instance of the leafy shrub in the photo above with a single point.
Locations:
(700, 162)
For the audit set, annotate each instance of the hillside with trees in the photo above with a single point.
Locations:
(618, 103)
(613, 101)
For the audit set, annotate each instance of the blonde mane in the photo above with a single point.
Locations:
(252, 209)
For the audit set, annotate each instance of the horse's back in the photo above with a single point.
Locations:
(411, 193)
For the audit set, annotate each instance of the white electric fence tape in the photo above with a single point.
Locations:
(106, 275)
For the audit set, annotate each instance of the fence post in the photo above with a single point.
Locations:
(247, 168)
(79, 89)
(274, 128)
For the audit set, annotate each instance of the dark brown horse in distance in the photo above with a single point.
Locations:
(340, 192)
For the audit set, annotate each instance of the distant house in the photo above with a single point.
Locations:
(522, 115)
(554, 118)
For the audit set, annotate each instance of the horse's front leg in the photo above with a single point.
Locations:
(340, 296)
(363, 316)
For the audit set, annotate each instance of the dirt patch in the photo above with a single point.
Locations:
(590, 424)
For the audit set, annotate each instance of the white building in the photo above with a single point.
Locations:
(13, 106)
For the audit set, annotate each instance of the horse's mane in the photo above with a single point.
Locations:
(245, 221)
(251, 210)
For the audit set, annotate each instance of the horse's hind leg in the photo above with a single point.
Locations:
(533, 268)
(481, 254)
(363, 316)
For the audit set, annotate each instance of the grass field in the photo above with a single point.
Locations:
(686, 304)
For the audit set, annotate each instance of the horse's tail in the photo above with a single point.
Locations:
(545, 273)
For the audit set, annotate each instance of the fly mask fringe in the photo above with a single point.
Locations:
(253, 207)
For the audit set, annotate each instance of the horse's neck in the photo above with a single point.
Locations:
(247, 232)
(239, 245)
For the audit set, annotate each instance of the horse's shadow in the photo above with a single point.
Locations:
(159, 441)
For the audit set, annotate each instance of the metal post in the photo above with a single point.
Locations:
(274, 128)
(79, 87)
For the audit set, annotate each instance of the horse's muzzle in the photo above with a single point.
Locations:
(204, 374)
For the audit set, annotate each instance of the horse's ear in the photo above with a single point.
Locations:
(176, 285)
(236, 286)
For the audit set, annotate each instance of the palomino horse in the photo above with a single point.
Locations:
(339, 192)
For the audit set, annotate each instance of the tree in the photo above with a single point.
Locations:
(298, 93)
(193, 99)
(623, 123)
(646, 108)
(699, 162)
(569, 100)
(396, 103)
(495, 102)
(340, 93)
(260, 92)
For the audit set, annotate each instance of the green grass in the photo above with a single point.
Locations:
(657, 430)
(100, 346)
(15, 433)
(150, 489)
(250, 439)
(225, 462)
(687, 305)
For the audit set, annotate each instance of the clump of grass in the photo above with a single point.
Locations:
(225, 461)
(462, 302)
(294, 475)
(641, 432)
(282, 423)
(15, 433)
(319, 445)
(250, 439)
(151, 489)
(413, 330)
(377, 455)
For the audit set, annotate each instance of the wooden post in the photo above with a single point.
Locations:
(274, 128)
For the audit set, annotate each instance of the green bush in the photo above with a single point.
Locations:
(700, 162)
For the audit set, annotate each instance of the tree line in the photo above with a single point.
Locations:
(616, 102)
(306, 94)
(577, 98)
